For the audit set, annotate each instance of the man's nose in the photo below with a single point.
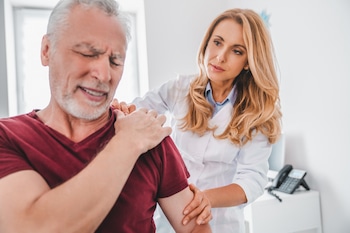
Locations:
(101, 69)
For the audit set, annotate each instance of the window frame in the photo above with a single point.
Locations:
(135, 7)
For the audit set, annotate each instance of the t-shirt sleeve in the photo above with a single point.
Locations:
(173, 172)
(10, 159)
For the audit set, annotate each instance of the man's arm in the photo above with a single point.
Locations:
(200, 207)
(173, 208)
(27, 204)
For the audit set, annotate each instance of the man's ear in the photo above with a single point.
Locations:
(44, 53)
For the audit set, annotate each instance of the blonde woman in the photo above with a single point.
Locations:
(225, 118)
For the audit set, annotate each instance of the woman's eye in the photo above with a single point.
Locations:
(238, 52)
(217, 42)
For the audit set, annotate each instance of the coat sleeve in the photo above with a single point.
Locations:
(164, 98)
(252, 167)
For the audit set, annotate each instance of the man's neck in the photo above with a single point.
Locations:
(75, 129)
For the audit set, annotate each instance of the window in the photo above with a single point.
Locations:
(32, 78)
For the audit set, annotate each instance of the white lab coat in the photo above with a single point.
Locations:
(212, 162)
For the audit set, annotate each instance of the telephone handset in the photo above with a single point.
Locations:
(289, 179)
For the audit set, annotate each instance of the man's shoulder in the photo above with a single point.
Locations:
(166, 145)
(22, 128)
(18, 120)
(164, 152)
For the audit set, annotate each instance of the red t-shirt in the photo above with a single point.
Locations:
(26, 143)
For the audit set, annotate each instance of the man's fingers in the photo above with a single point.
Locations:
(145, 110)
(145, 126)
(120, 114)
(153, 113)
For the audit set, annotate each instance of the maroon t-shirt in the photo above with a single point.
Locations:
(26, 143)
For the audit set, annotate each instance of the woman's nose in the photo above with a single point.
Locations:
(221, 56)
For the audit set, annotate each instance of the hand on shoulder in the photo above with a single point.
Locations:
(143, 128)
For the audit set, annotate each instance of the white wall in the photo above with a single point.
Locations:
(174, 31)
(313, 50)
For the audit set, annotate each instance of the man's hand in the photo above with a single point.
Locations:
(199, 207)
(142, 128)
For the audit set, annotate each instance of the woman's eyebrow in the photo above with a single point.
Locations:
(240, 45)
(219, 37)
(235, 45)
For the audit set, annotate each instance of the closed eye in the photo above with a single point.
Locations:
(115, 62)
(88, 55)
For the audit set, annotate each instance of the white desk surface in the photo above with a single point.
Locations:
(297, 212)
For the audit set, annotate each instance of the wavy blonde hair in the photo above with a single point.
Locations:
(257, 106)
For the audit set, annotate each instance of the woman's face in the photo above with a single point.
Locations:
(226, 53)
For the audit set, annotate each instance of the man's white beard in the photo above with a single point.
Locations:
(73, 108)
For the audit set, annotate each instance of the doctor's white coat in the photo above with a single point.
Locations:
(212, 162)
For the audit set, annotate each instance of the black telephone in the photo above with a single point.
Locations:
(289, 179)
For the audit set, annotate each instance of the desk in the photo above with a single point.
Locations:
(298, 212)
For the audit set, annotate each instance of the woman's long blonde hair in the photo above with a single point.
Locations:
(257, 106)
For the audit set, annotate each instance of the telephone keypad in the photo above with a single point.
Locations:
(289, 185)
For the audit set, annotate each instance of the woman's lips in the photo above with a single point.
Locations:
(217, 68)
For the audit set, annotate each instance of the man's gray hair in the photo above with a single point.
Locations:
(59, 15)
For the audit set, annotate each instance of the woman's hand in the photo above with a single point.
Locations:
(199, 207)
(122, 106)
